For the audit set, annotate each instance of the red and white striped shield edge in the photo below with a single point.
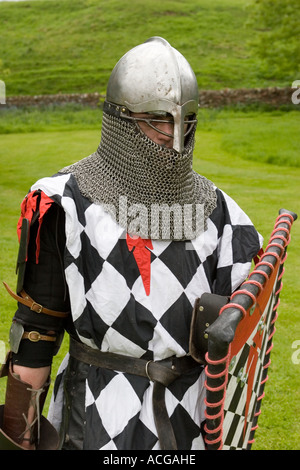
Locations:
(239, 347)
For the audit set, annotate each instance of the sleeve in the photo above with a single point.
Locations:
(44, 282)
(239, 243)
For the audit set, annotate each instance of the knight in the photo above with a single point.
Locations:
(114, 251)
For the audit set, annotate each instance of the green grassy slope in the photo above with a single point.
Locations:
(72, 45)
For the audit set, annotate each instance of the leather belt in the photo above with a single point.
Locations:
(162, 373)
(25, 299)
(35, 336)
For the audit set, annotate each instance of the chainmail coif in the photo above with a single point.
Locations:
(150, 190)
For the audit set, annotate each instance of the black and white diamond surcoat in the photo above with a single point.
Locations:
(118, 306)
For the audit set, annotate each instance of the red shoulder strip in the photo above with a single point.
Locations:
(33, 202)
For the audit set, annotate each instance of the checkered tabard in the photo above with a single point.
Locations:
(111, 311)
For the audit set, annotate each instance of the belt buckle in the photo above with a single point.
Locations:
(146, 370)
(34, 336)
(39, 307)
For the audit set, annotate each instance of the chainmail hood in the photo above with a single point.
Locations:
(151, 191)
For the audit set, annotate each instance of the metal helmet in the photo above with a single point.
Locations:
(155, 78)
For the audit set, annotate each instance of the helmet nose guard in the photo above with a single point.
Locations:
(155, 77)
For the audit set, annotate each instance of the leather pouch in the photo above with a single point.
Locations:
(206, 311)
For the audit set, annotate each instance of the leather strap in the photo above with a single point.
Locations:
(25, 299)
(35, 336)
(162, 373)
(162, 421)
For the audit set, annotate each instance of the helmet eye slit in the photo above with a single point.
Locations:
(162, 122)
(153, 121)
(190, 125)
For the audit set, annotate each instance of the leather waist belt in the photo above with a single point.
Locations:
(162, 373)
(24, 299)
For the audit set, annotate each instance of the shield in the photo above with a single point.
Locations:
(239, 348)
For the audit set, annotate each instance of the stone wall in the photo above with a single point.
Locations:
(207, 98)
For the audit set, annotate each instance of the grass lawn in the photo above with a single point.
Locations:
(253, 156)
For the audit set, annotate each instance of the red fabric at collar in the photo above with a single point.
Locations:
(142, 255)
